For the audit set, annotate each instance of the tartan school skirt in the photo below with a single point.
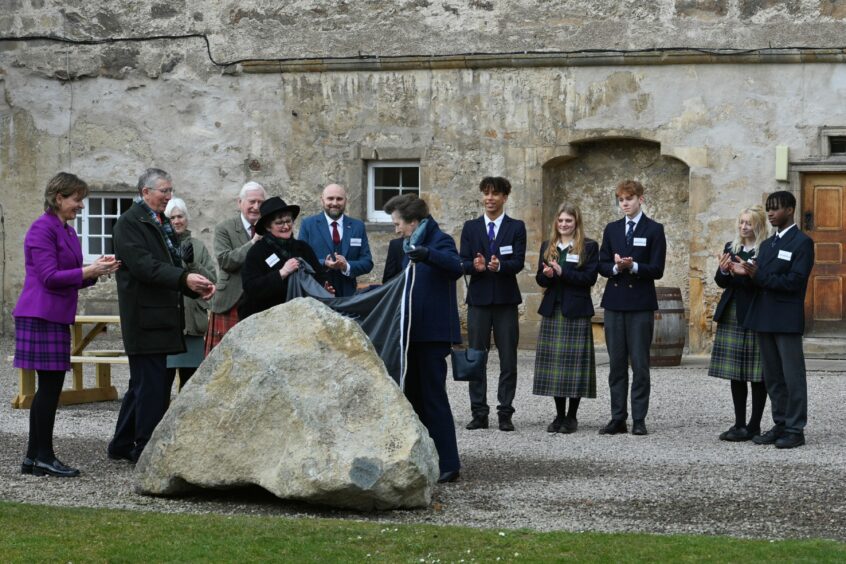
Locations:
(565, 362)
(219, 324)
(42, 344)
(735, 355)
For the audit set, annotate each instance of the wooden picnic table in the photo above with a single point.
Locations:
(83, 331)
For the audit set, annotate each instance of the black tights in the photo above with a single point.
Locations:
(42, 415)
(184, 375)
(759, 400)
(561, 405)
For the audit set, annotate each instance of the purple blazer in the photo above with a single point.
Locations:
(53, 258)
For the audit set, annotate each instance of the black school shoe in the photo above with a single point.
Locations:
(56, 468)
(26, 465)
(737, 434)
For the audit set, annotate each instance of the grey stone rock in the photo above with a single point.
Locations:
(295, 400)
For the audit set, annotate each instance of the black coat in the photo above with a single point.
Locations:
(572, 289)
(263, 286)
(150, 286)
(738, 287)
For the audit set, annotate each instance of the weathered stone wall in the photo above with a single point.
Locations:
(163, 103)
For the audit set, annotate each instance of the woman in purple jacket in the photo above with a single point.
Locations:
(46, 309)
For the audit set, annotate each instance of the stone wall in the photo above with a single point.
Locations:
(163, 103)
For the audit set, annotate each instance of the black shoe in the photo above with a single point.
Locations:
(505, 423)
(555, 426)
(613, 427)
(26, 465)
(55, 468)
(569, 425)
(639, 427)
(450, 476)
(478, 422)
(770, 437)
(128, 456)
(736, 434)
(790, 440)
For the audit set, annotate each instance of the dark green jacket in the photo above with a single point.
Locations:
(197, 309)
(150, 287)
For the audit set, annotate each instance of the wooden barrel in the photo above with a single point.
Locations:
(670, 329)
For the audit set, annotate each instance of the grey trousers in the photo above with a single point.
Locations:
(506, 331)
(783, 365)
(628, 335)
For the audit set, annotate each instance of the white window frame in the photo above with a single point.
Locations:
(84, 221)
(380, 216)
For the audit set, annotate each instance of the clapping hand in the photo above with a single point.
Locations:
(338, 263)
(623, 263)
(201, 285)
(493, 266)
(479, 263)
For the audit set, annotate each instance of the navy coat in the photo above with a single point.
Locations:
(315, 231)
(572, 288)
(627, 291)
(434, 307)
(784, 267)
(738, 287)
(393, 262)
(494, 288)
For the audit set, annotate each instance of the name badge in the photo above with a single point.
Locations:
(355, 242)
(572, 258)
(271, 260)
(639, 241)
(506, 250)
(785, 255)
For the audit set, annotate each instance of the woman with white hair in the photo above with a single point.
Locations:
(197, 259)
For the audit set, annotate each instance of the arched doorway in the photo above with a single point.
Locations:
(587, 177)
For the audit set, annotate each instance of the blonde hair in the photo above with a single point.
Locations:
(758, 218)
(552, 253)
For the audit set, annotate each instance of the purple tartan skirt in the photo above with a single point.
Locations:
(41, 344)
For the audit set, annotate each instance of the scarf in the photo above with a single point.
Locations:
(416, 237)
(168, 234)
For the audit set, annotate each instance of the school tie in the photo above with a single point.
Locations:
(491, 237)
(630, 234)
(336, 237)
(776, 240)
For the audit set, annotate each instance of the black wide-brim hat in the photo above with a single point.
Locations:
(270, 208)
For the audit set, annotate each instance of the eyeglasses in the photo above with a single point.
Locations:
(165, 191)
(283, 222)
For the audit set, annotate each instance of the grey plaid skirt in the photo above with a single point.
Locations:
(565, 363)
(735, 355)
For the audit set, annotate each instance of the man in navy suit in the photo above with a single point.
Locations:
(632, 258)
(777, 314)
(493, 251)
(340, 239)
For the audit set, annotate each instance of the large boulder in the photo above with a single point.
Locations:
(295, 400)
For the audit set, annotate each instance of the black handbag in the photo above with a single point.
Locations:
(468, 365)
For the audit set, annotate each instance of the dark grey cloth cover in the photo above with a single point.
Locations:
(378, 310)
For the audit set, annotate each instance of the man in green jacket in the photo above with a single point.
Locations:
(150, 284)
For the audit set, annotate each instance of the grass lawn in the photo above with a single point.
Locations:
(39, 533)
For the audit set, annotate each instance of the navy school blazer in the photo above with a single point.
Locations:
(738, 287)
(627, 291)
(494, 288)
(784, 267)
(572, 288)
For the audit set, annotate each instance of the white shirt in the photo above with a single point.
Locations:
(497, 223)
(781, 233)
(340, 221)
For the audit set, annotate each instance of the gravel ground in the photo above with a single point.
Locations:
(678, 479)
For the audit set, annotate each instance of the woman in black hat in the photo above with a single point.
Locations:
(273, 258)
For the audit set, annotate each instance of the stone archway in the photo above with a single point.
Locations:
(587, 177)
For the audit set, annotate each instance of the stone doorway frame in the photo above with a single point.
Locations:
(699, 187)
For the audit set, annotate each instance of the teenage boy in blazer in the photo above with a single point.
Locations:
(339, 241)
(777, 313)
(493, 251)
(632, 258)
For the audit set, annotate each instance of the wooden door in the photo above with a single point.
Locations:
(823, 218)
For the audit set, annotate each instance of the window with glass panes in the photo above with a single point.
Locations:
(387, 179)
(94, 225)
